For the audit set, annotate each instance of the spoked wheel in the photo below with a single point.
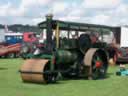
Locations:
(97, 62)
(99, 65)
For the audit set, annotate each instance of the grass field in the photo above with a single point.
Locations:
(11, 84)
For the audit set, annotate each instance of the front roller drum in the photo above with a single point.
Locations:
(37, 71)
(96, 63)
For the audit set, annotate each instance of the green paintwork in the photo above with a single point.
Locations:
(66, 56)
(43, 56)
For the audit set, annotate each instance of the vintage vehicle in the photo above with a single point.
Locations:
(71, 50)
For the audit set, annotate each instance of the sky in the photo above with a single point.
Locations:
(107, 12)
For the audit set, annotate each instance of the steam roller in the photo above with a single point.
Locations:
(93, 66)
(73, 56)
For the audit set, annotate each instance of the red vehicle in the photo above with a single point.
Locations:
(14, 50)
(29, 37)
(10, 50)
(30, 44)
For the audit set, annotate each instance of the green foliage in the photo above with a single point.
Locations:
(12, 85)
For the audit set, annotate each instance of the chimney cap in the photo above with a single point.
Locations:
(49, 15)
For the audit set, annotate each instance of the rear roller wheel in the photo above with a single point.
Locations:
(99, 65)
(97, 62)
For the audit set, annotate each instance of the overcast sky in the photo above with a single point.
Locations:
(108, 12)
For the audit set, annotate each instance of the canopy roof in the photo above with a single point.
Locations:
(64, 25)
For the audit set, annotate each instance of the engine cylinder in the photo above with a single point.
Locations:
(66, 56)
